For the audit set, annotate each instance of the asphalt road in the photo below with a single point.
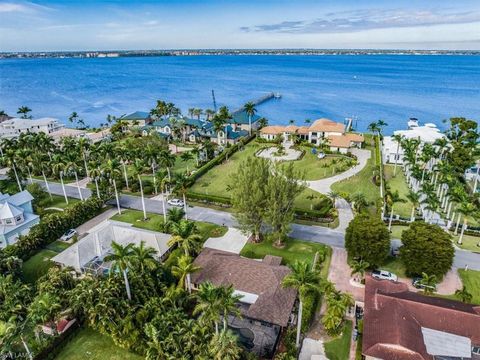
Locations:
(316, 234)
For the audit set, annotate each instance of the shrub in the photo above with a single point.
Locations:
(426, 249)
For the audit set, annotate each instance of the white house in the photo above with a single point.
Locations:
(12, 128)
(426, 134)
(16, 217)
(87, 255)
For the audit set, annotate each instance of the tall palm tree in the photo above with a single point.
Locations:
(58, 166)
(208, 304)
(167, 160)
(24, 110)
(381, 124)
(143, 257)
(467, 209)
(71, 165)
(398, 139)
(182, 271)
(303, 279)
(186, 156)
(250, 110)
(84, 144)
(182, 182)
(95, 174)
(392, 198)
(138, 167)
(228, 303)
(112, 169)
(429, 282)
(121, 259)
(164, 182)
(185, 236)
(40, 160)
(10, 156)
(414, 198)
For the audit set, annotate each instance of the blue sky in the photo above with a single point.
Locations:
(115, 24)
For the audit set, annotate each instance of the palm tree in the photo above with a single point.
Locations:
(208, 304)
(10, 156)
(373, 128)
(138, 167)
(466, 208)
(334, 195)
(359, 267)
(398, 139)
(95, 174)
(121, 259)
(414, 198)
(167, 160)
(210, 113)
(58, 166)
(164, 182)
(112, 169)
(71, 165)
(186, 156)
(182, 182)
(24, 110)
(182, 271)
(40, 160)
(224, 346)
(303, 279)
(250, 110)
(144, 257)
(83, 144)
(463, 294)
(185, 236)
(381, 124)
(392, 198)
(228, 303)
(429, 282)
(359, 201)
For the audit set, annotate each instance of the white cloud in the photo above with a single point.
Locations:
(12, 7)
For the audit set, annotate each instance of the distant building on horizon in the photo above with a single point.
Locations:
(13, 127)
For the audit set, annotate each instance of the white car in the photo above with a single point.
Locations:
(68, 235)
(175, 202)
(384, 275)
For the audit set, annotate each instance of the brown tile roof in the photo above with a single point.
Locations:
(273, 130)
(303, 130)
(262, 278)
(344, 141)
(326, 125)
(395, 316)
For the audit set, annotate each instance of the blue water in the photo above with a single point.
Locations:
(392, 88)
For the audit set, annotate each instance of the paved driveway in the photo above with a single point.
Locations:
(233, 241)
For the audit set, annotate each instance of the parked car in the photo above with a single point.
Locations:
(417, 283)
(384, 275)
(395, 251)
(175, 202)
(68, 235)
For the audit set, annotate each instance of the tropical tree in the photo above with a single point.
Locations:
(95, 174)
(224, 346)
(414, 198)
(303, 279)
(24, 110)
(250, 110)
(112, 169)
(182, 271)
(208, 305)
(71, 165)
(359, 201)
(182, 182)
(392, 198)
(398, 138)
(58, 167)
(143, 257)
(429, 282)
(359, 267)
(466, 208)
(138, 167)
(184, 235)
(186, 156)
(464, 295)
(121, 259)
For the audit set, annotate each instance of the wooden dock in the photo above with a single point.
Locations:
(259, 101)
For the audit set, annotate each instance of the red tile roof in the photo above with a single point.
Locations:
(262, 278)
(395, 316)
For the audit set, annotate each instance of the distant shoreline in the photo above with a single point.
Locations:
(229, 52)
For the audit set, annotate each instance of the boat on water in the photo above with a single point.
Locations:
(277, 95)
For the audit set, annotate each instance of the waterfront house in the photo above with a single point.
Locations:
(137, 118)
(426, 134)
(12, 128)
(404, 325)
(343, 143)
(241, 121)
(88, 254)
(16, 217)
(266, 306)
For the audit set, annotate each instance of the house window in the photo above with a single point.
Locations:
(476, 350)
(18, 218)
(8, 221)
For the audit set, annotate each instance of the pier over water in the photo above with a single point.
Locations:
(260, 100)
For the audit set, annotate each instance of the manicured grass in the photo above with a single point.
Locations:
(469, 242)
(294, 250)
(155, 222)
(397, 231)
(398, 183)
(58, 201)
(58, 246)
(471, 280)
(316, 169)
(339, 348)
(215, 181)
(89, 344)
(394, 265)
(361, 182)
(37, 265)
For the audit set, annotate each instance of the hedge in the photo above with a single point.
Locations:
(53, 226)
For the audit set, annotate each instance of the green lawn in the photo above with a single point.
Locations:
(37, 265)
(215, 181)
(361, 182)
(58, 246)
(397, 230)
(398, 183)
(339, 348)
(89, 344)
(316, 169)
(395, 265)
(294, 250)
(468, 242)
(155, 222)
(471, 280)
(59, 202)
